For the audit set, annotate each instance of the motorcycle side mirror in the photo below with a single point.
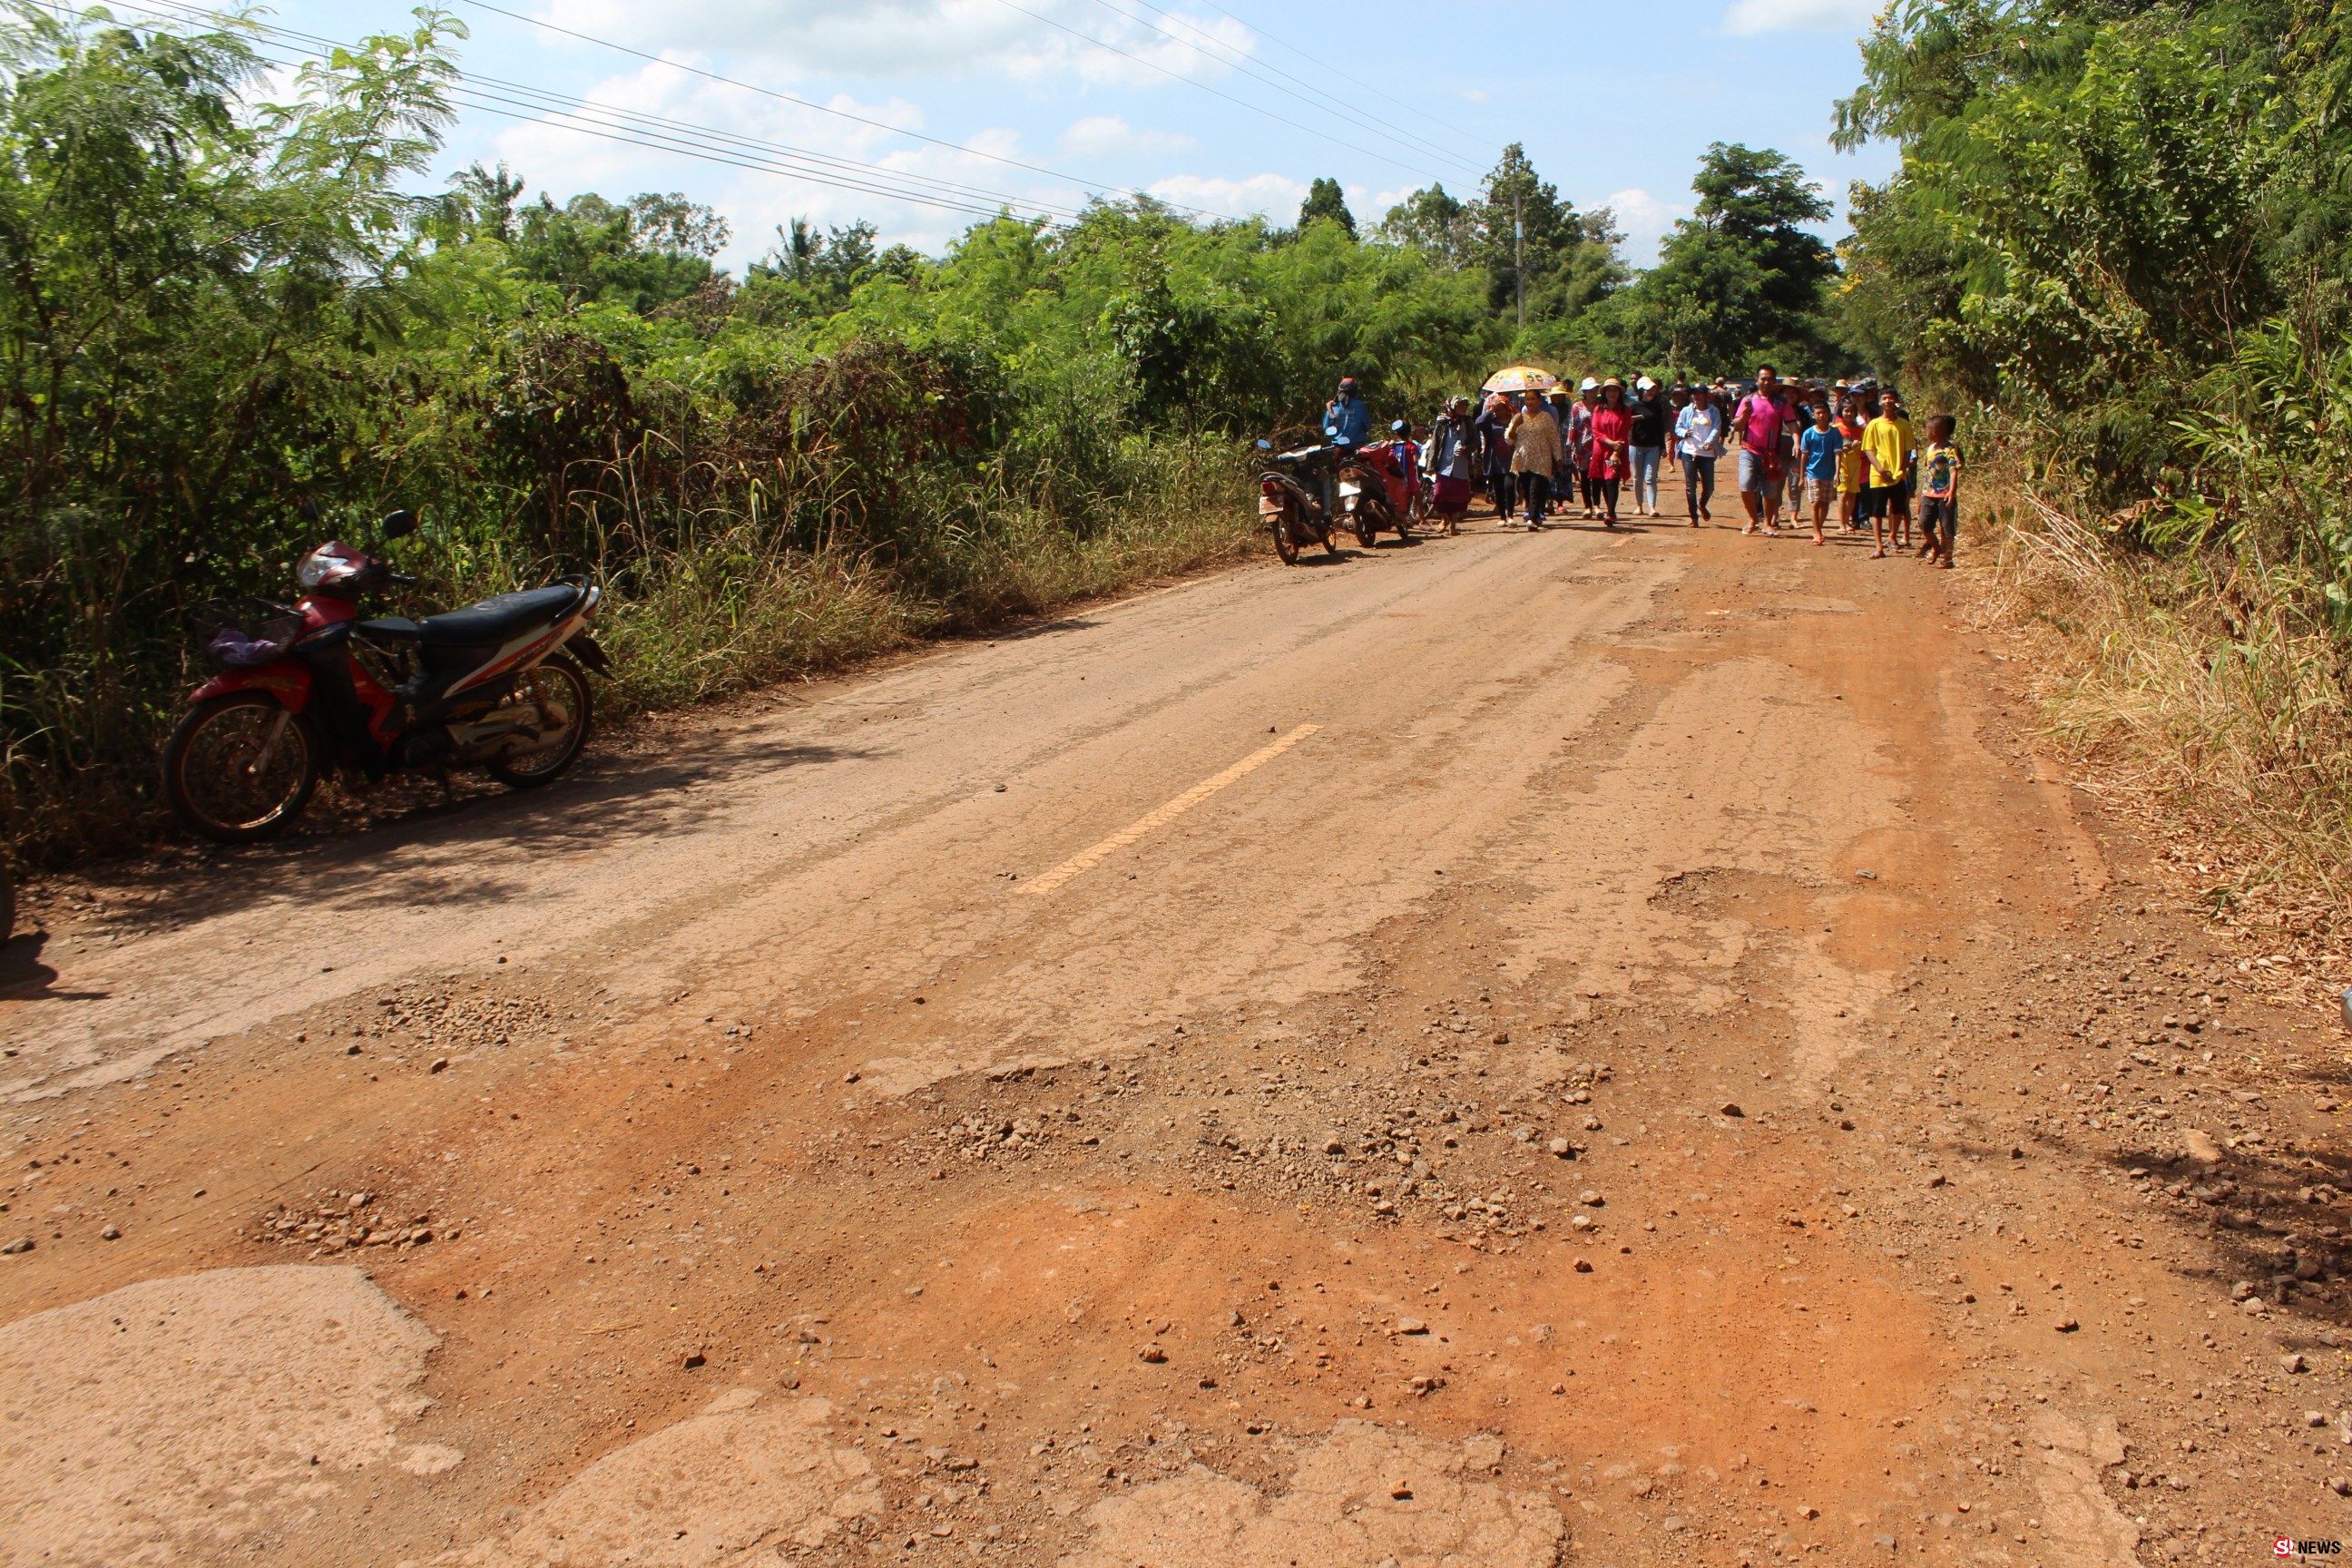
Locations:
(1263, 445)
(400, 525)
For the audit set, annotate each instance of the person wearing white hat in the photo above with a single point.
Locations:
(1652, 420)
(1698, 433)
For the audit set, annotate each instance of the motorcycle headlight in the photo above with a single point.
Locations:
(315, 568)
(1347, 488)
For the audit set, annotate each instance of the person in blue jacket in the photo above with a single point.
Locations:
(1347, 424)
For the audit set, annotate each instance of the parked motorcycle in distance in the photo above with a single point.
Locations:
(1375, 494)
(1289, 504)
(496, 685)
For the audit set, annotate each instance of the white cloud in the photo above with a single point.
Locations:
(1644, 220)
(1750, 16)
(565, 160)
(892, 37)
(662, 88)
(1271, 195)
(1196, 48)
(1103, 135)
(1476, 95)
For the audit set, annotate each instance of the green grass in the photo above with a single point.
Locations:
(724, 609)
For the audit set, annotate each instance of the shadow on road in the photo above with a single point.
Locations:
(458, 850)
(2271, 1221)
(1031, 631)
(24, 978)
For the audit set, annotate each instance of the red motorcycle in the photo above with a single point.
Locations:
(497, 684)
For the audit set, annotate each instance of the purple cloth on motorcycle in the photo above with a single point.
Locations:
(238, 651)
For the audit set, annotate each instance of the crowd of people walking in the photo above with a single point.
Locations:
(1828, 453)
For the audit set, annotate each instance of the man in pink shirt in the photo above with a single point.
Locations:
(1756, 425)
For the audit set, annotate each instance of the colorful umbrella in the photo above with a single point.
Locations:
(1521, 378)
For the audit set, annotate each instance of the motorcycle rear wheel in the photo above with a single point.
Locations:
(210, 768)
(1365, 524)
(1285, 543)
(558, 687)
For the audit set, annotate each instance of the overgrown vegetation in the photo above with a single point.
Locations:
(229, 328)
(2125, 229)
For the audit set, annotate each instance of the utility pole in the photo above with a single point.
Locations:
(1520, 259)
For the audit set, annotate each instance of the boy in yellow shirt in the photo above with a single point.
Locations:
(1886, 476)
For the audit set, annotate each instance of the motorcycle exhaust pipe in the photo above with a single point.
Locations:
(507, 721)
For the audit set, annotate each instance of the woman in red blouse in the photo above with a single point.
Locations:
(1612, 424)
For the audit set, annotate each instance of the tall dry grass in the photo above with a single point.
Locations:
(728, 609)
(2203, 692)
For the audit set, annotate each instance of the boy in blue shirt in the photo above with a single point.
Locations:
(1819, 447)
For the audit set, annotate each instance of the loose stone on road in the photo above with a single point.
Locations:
(1506, 1050)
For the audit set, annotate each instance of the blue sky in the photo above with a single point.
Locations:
(1230, 110)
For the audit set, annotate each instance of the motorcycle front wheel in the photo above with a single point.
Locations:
(560, 691)
(239, 767)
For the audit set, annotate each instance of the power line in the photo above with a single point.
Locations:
(676, 136)
(1306, 55)
(819, 108)
(657, 132)
(1248, 66)
(657, 141)
(1198, 85)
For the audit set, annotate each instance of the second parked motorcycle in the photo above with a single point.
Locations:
(1376, 492)
(497, 685)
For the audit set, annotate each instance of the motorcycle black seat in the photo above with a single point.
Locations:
(496, 619)
(393, 628)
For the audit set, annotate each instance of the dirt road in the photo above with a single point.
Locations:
(1506, 1050)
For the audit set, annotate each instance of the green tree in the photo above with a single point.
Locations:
(1326, 203)
(2096, 204)
(479, 205)
(199, 291)
(810, 272)
(1569, 266)
(1432, 221)
(1739, 280)
(656, 249)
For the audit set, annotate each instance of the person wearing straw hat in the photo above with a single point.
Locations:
(1535, 442)
(1565, 411)
(1493, 423)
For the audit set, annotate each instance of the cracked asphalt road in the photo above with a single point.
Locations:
(1507, 1050)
